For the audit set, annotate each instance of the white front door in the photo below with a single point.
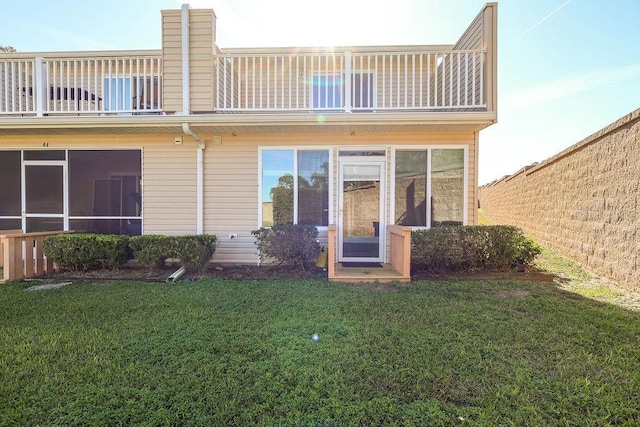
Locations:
(361, 216)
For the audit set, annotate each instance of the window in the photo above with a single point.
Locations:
(328, 91)
(411, 188)
(105, 192)
(295, 187)
(10, 190)
(117, 94)
(447, 187)
(362, 95)
(103, 188)
(429, 187)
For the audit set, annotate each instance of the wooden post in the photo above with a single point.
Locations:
(22, 254)
(39, 257)
(331, 254)
(400, 248)
(28, 256)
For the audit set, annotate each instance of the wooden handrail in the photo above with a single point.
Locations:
(400, 249)
(22, 255)
(3, 233)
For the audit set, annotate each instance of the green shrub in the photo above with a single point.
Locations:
(151, 249)
(467, 248)
(194, 251)
(288, 244)
(81, 252)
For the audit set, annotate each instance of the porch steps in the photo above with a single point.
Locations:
(384, 274)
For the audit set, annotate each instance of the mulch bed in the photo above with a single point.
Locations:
(254, 272)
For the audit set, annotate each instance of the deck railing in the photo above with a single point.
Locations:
(400, 249)
(21, 254)
(349, 82)
(80, 85)
(247, 82)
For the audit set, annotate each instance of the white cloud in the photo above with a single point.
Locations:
(566, 86)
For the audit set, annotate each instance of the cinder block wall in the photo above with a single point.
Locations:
(583, 202)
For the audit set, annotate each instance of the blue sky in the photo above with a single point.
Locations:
(567, 68)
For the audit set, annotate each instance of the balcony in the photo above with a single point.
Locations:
(80, 84)
(321, 82)
(350, 81)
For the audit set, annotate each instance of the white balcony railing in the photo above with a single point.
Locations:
(248, 82)
(447, 80)
(97, 85)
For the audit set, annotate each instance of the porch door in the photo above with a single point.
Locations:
(361, 209)
(44, 195)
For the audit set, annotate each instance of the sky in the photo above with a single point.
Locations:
(566, 68)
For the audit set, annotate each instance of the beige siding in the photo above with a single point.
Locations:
(201, 50)
(231, 180)
(482, 33)
(172, 60)
(169, 188)
(168, 173)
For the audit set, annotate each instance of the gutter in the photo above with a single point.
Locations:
(186, 129)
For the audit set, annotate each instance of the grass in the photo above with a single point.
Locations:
(240, 353)
(576, 279)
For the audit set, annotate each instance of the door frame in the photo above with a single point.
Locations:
(380, 161)
(65, 192)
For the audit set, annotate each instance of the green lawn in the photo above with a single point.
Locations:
(240, 353)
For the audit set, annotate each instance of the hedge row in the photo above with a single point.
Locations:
(81, 252)
(466, 248)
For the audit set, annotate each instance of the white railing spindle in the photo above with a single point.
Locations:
(250, 82)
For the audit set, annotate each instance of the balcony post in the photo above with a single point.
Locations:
(347, 82)
(39, 90)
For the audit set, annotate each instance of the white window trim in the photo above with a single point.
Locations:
(297, 149)
(65, 164)
(428, 148)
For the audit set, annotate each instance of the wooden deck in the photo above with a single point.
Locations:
(397, 270)
(386, 273)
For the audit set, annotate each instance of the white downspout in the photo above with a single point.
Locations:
(186, 129)
(186, 77)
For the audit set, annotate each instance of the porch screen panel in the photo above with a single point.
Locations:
(104, 191)
(44, 190)
(411, 188)
(447, 187)
(313, 187)
(10, 178)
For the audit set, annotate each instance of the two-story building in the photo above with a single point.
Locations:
(194, 138)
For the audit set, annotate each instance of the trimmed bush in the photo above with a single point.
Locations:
(467, 248)
(81, 252)
(194, 251)
(151, 250)
(288, 244)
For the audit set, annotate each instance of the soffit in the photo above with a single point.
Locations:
(251, 123)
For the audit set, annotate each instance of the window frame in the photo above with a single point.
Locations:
(428, 149)
(66, 163)
(296, 150)
(340, 91)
